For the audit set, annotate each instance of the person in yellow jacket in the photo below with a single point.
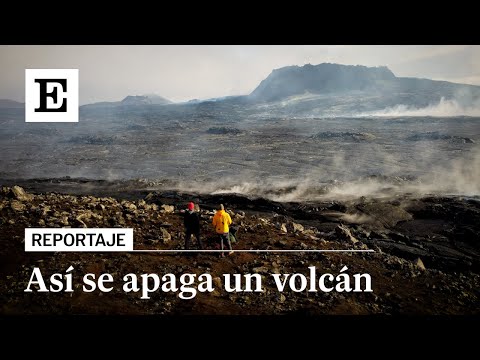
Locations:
(221, 222)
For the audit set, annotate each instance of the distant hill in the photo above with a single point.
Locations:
(145, 100)
(134, 100)
(335, 79)
(10, 104)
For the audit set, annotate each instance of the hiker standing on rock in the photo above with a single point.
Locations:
(221, 222)
(191, 220)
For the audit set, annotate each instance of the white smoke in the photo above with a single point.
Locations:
(456, 177)
(461, 176)
(444, 108)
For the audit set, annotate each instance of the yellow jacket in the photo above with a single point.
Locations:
(221, 220)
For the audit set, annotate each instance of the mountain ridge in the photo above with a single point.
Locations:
(11, 104)
(329, 78)
(317, 90)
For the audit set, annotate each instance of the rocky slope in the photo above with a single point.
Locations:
(421, 265)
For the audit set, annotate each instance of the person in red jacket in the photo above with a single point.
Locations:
(191, 220)
(221, 222)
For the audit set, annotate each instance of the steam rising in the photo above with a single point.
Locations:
(458, 177)
(219, 148)
(444, 108)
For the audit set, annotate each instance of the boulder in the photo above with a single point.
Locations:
(418, 263)
(165, 235)
(167, 208)
(344, 233)
(294, 227)
(17, 206)
(141, 204)
(153, 207)
(45, 209)
(20, 194)
(129, 206)
(79, 220)
(120, 220)
(63, 221)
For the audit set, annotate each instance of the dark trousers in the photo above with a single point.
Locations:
(225, 237)
(188, 236)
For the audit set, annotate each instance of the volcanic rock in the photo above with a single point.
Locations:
(344, 233)
(20, 194)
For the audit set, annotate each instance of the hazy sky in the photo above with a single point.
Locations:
(180, 73)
